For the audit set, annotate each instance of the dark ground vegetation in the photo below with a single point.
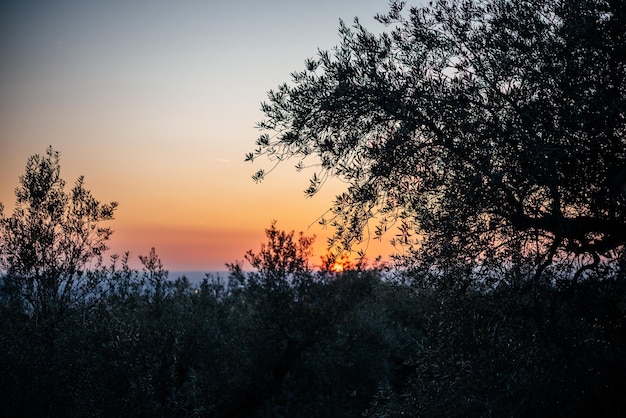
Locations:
(299, 343)
(333, 345)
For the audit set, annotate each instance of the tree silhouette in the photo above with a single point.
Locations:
(283, 255)
(492, 132)
(51, 239)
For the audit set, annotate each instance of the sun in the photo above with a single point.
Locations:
(337, 267)
(337, 264)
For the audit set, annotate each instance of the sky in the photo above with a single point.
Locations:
(155, 103)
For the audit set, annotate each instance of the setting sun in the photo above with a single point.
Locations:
(337, 267)
(337, 264)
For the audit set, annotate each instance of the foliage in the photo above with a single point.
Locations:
(51, 239)
(282, 257)
(492, 131)
(327, 345)
(516, 352)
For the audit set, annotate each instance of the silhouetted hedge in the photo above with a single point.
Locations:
(335, 345)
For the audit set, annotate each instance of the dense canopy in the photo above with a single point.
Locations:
(492, 132)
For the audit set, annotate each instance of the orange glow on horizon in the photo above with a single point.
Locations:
(186, 248)
(207, 249)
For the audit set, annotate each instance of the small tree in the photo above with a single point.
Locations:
(282, 257)
(154, 273)
(51, 240)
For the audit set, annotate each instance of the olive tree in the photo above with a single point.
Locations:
(52, 238)
(492, 132)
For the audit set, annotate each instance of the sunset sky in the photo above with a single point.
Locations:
(155, 103)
